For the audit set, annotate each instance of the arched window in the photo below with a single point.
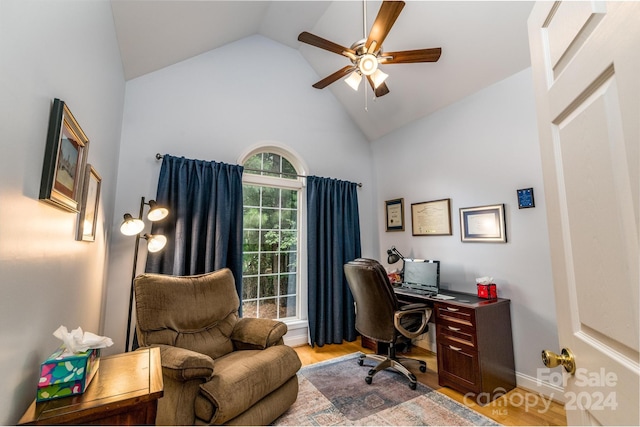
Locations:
(272, 189)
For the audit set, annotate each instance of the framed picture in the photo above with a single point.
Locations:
(525, 198)
(88, 216)
(395, 214)
(65, 158)
(483, 224)
(431, 218)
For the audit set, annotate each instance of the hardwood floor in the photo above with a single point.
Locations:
(519, 407)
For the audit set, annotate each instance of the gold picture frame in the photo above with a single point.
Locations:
(431, 218)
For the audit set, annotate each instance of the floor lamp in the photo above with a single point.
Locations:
(133, 227)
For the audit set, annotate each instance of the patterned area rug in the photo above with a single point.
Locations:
(335, 393)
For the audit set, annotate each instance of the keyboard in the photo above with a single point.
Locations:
(412, 290)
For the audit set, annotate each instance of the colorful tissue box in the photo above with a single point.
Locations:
(65, 374)
(487, 291)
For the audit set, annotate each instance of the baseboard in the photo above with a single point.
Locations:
(548, 390)
(297, 335)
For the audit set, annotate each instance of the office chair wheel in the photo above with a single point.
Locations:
(413, 386)
(360, 362)
(368, 379)
(423, 368)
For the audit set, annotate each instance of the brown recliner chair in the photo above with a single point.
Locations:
(381, 317)
(217, 368)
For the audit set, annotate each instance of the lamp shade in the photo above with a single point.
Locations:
(378, 78)
(155, 242)
(156, 212)
(393, 255)
(353, 80)
(368, 64)
(131, 226)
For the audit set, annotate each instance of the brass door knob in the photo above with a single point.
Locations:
(566, 359)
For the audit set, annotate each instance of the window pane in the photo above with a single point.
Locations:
(270, 197)
(288, 284)
(267, 286)
(289, 219)
(250, 195)
(267, 309)
(287, 307)
(289, 199)
(271, 218)
(249, 288)
(270, 240)
(251, 217)
(254, 162)
(288, 241)
(288, 262)
(271, 162)
(249, 263)
(251, 241)
(249, 309)
(287, 167)
(268, 262)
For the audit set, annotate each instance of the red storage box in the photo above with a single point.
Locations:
(487, 291)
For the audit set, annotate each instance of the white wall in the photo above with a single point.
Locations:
(66, 50)
(477, 152)
(214, 107)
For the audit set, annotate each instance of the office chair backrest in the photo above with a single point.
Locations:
(375, 300)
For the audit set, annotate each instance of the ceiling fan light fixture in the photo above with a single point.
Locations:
(368, 64)
(353, 80)
(378, 78)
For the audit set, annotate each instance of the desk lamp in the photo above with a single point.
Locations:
(393, 255)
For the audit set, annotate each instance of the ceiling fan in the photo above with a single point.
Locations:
(366, 55)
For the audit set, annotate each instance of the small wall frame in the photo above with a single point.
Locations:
(65, 158)
(394, 210)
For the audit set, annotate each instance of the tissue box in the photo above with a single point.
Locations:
(487, 291)
(65, 374)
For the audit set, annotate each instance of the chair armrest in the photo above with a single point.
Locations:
(256, 334)
(425, 313)
(184, 365)
(413, 306)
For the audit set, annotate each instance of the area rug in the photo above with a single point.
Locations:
(335, 393)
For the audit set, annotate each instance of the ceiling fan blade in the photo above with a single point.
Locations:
(389, 12)
(316, 41)
(382, 90)
(411, 56)
(343, 72)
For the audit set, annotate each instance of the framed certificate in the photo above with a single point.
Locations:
(525, 198)
(431, 218)
(483, 224)
(395, 214)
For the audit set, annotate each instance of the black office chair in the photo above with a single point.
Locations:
(381, 317)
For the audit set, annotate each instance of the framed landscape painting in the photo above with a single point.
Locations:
(65, 158)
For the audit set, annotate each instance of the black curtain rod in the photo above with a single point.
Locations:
(159, 157)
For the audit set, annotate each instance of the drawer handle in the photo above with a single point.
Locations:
(453, 329)
(453, 309)
(454, 348)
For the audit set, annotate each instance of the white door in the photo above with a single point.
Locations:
(586, 68)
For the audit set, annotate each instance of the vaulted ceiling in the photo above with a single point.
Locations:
(482, 43)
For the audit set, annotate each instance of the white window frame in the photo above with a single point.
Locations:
(299, 326)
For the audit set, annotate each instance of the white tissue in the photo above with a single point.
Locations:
(77, 341)
(484, 280)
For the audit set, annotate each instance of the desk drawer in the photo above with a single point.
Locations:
(455, 314)
(458, 368)
(456, 335)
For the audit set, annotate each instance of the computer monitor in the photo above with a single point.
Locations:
(422, 273)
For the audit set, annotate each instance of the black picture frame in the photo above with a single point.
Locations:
(394, 214)
(483, 224)
(65, 159)
(525, 198)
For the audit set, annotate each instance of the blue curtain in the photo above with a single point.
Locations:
(333, 238)
(204, 226)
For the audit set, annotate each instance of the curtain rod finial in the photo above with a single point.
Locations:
(158, 156)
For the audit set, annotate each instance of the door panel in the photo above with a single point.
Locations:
(586, 63)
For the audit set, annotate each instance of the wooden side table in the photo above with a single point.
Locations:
(125, 391)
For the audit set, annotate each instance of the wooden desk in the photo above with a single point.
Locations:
(474, 342)
(124, 391)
